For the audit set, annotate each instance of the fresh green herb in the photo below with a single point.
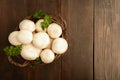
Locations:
(12, 50)
(38, 60)
(47, 21)
(33, 64)
(38, 14)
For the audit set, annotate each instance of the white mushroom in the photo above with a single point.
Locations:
(38, 26)
(12, 38)
(27, 25)
(47, 56)
(50, 45)
(29, 52)
(54, 30)
(59, 45)
(41, 40)
(25, 37)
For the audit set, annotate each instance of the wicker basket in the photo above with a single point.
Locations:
(19, 61)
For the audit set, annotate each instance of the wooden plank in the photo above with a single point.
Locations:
(11, 13)
(107, 39)
(77, 63)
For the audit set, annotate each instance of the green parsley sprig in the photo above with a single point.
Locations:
(38, 14)
(46, 22)
(38, 60)
(47, 19)
(12, 50)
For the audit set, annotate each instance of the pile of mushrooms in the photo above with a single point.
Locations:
(39, 43)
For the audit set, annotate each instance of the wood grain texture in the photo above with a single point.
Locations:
(78, 63)
(11, 13)
(107, 39)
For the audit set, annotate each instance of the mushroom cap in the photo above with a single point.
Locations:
(27, 25)
(25, 37)
(12, 38)
(41, 40)
(47, 56)
(29, 52)
(59, 45)
(54, 30)
(50, 45)
(38, 26)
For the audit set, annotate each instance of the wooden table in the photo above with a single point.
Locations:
(94, 39)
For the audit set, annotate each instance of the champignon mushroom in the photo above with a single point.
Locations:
(47, 56)
(50, 45)
(41, 40)
(29, 52)
(38, 26)
(54, 30)
(59, 45)
(27, 25)
(25, 37)
(12, 38)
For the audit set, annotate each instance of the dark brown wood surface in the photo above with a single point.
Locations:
(76, 64)
(107, 40)
(93, 35)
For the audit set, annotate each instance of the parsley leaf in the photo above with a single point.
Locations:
(47, 21)
(33, 65)
(12, 50)
(38, 60)
(38, 14)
